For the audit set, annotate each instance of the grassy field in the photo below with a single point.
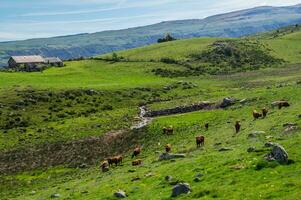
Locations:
(92, 97)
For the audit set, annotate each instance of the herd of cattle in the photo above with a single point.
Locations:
(200, 140)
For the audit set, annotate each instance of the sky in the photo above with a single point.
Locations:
(24, 19)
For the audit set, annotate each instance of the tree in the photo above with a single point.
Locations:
(167, 38)
(115, 57)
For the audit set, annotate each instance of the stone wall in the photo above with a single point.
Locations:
(180, 109)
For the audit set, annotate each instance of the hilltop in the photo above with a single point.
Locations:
(234, 24)
(58, 125)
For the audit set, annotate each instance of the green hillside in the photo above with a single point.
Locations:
(58, 125)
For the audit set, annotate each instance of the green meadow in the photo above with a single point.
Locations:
(92, 97)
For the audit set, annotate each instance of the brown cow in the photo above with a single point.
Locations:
(283, 104)
(117, 160)
(167, 148)
(110, 161)
(136, 152)
(200, 141)
(136, 162)
(264, 112)
(256, 114)
(104, 166)
(168, 131)
(237, 126)
(206, 126)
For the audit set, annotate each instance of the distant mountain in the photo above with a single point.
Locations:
(234, 24)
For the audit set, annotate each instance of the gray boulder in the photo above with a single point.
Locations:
(168, 178)
(227, 102)
(120, 194)
(181, 188)
(269, 144)
(224, 149)
(278, 153)
(167, 156)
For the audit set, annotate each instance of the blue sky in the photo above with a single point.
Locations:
(23, 19)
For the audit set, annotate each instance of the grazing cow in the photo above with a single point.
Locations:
(168, 131)
(104, 166)
(283, 104)
(200, 141)
(206, 126)
(167, 148)
(117, 160)
(136, 152)
(110, 161)
(136, 162)
(256, 114)
(264, 112)
(237, 126)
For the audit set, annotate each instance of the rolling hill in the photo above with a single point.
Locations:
(235, 24)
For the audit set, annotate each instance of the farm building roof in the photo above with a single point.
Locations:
(28, 59)
(53, 60)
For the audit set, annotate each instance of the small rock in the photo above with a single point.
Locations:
(168, 178)
(224, 149)
(254, 134)
(181, 188)
(135, 179)
(227, 102)
(199, 175)
(290, 129)
(237, 167)
(269, 137)
(278, 153)
(91, 92)
(120, 194)
(55, 195)
(289, 124)
(167, 156)
(33, 192)
(243, 101)
(251, 149)
(82, 166)
(148, 175)
(197, 179)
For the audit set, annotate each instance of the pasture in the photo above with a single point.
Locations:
(89, 98)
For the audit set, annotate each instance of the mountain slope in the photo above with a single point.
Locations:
(233, 24)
